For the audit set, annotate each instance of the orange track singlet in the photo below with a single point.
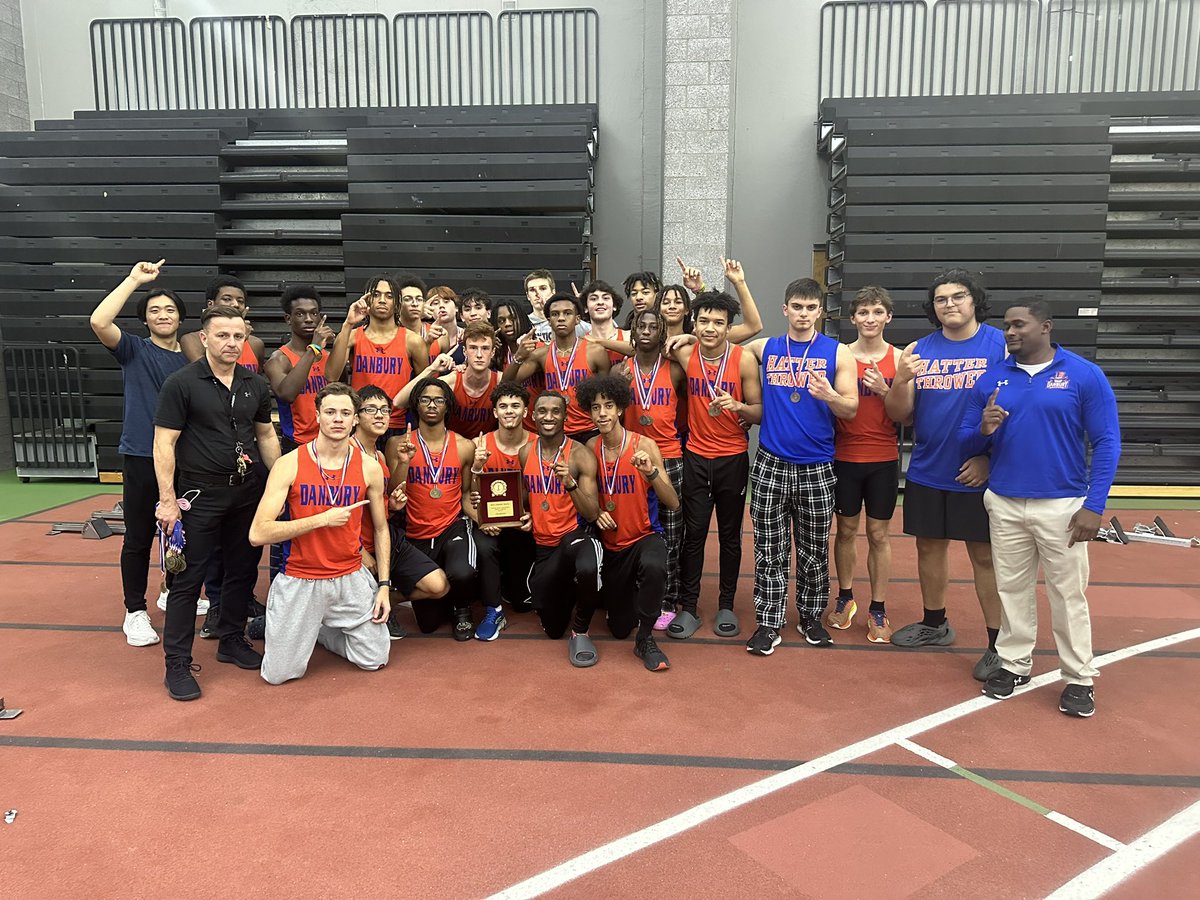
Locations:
(625, 496)
(298, 419)
(325, 552)
(429, 514)
(870, 436)
(710, 436)
(654, 398)
(386, 366)
(563, 372)
(552, 524)
(473, 415)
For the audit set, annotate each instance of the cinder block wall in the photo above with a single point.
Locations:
(14, 116)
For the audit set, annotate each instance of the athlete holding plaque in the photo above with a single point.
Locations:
(559, 483)
(503, 544)
(658, 383)
(434, 465)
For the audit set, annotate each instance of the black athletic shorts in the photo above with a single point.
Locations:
(874, 484)
(409, 566)
(948, 515)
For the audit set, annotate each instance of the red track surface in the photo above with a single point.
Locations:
(462, 769)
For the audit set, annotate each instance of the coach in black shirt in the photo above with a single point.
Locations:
(211, 430)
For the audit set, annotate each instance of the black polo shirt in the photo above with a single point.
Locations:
(212, 418)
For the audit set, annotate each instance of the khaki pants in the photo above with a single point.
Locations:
(1025, 533)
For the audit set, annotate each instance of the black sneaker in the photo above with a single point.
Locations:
(764, 641)
(256, 628)
(814, 632)
(180, 682)
(522, 606)
(654, 659)
(396, 631)
(464, 628)
(254, 609)
(211, 629)
(237, 650)
(1077, 700)
(1002, 683)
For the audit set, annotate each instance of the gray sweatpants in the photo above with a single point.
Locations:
(335, 612)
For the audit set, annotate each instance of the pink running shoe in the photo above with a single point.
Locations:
(664, 620)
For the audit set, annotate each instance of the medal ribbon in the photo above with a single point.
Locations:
(714, 385)
(543, 472)
(175, 543)
(560, 374)
(326, 480)
(610, 482)
(435, 471)
(803, 359)
(644, 392)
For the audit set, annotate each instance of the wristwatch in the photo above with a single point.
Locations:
(573, 487)
(387, 583)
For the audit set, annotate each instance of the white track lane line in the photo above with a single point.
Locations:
(698, 815)
(1112, 870)
(1058, 818)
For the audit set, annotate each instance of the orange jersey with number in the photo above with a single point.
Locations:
(563, 372)
(657, 401)
(713, 436)
(473, 415)
(429, 516)
(386, 366)
(549, 525)
(634, 508)
(328, 552)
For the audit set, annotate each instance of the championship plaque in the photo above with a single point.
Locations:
(500, 499)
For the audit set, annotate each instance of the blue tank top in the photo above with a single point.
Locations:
(942, 390)
(800, 432)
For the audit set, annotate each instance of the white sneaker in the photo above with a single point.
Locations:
(138, 630)
(201, 604)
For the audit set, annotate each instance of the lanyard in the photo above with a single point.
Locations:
(610, 482)
(435, 471)
(803, 359)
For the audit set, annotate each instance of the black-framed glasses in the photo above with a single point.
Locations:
(432, 401)
(375, 411)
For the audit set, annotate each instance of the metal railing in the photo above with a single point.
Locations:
(444, 59)
(239, 62)
(910, 48)
(45, 395)
(352, 60)
(549, 56)
(140, 64)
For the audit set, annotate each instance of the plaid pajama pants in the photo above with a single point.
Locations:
(672, 525)
(784, 493)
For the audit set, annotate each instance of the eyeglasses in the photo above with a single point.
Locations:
(376, 411)
(432, 401)
(956, 299)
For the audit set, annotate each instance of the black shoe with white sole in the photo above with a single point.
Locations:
(1002, 683)
(764, 641)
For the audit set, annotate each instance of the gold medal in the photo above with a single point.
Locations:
(646, 420)
(795, 398)
(436, 493)
(714, 411)
(610, 505)
(546, 505)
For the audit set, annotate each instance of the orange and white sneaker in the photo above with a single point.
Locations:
(842, 614)
(879, 629)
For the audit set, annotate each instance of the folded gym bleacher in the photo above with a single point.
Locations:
(1064, 197)
(282, 152)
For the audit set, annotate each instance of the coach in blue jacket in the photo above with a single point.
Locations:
(1037, 411)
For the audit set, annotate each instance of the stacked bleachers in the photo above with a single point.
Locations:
(1065, 197)
(471, 196)
(465, 196)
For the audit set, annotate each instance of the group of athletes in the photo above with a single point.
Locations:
(624, 440)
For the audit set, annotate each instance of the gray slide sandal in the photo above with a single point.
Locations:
(683, 627)
(726, 624)
(581, 651)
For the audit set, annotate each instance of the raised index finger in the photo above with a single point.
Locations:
(992, 399)
(358, 504)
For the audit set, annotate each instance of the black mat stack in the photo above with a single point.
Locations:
(1018, 189)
